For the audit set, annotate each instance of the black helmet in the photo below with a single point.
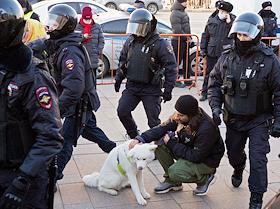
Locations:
(139, 22)
(11, 23)
(62, 21)
(248, 23)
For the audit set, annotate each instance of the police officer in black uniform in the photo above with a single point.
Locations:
(214, 39)
(145, 60)
(246, 81)
(30, 123)
(76, 83)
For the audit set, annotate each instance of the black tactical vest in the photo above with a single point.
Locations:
(138, 64)
(16, 136)
(244, 89)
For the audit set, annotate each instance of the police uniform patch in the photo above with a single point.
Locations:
(170, 49)
(12, 87)
(69, 64)
(44, 98)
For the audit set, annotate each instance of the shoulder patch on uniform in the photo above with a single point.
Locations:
(44, 98)
(69, 64)
(170, 49)
(12, 87)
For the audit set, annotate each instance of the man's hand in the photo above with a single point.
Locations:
(117, 85)
(166, 96)
(15, 194)
(275, 129)
(166, 138)
(216, 116)
(133, 143)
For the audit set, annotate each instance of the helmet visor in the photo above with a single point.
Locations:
(138, 29)
(56, 22)
(245, 28)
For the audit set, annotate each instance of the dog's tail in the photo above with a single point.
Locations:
(91, 180)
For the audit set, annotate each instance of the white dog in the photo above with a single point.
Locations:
(123, 167)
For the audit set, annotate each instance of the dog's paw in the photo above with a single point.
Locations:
(141, 201)
(146, 195)
(113, 192)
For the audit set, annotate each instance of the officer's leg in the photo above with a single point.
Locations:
(152, 108)
(235, 143)
(95, 134)
(127, 103)
(70, 135)
(183, 57)
(258, 148)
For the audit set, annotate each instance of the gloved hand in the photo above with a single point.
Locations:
(275, 129)
(15, 194)
(117, 85)
(166, 96)
(216, 116)
(203, 53)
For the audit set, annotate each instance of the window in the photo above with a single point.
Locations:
(74, 5)
(115, 26)
(163, 29)
(96, 9)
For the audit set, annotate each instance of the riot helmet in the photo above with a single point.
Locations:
(248, 23)
(139, 23)
(11, 23)
(62, 21)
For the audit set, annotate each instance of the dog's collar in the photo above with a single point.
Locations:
(120, 168)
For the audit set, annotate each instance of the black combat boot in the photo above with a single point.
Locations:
(256, 200)
(236, 178)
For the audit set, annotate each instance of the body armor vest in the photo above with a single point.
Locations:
(138, 64)
(16, 136)
(243, 90)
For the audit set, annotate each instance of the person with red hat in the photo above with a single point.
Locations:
(93, 35)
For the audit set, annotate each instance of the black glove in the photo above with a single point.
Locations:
(117, 85)
(216, 116)
(166, 96)
(15, 194)
(203, 53)
(275, 129)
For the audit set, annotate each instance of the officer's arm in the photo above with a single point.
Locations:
(73, 78)
(41, 104)
(274, 83)
(120, 75)
(167, 61)
(215, 82)
(205, 36)
(101, 41)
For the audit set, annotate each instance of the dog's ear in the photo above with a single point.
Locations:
(153, 147)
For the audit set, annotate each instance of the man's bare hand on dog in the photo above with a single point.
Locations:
(133, 143)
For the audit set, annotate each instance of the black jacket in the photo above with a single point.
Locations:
(32, 97)
(268, 75)
(165, 59)
(71, 62)
(205, 146)
(215, 38)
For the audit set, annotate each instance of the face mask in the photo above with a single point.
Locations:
(222, 16)
(243, 46)
(87, 21)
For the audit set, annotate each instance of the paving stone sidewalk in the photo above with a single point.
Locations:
(88, 157)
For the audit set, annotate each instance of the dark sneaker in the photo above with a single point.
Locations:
(236, 178)
(203, 189)
(203, 98)
(165, 187)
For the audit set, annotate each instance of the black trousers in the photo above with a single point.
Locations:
(129, 101)
(236, 138)
(182, 55)
(210, 63)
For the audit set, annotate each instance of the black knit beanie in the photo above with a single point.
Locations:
(266, 4)
(187, 105)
